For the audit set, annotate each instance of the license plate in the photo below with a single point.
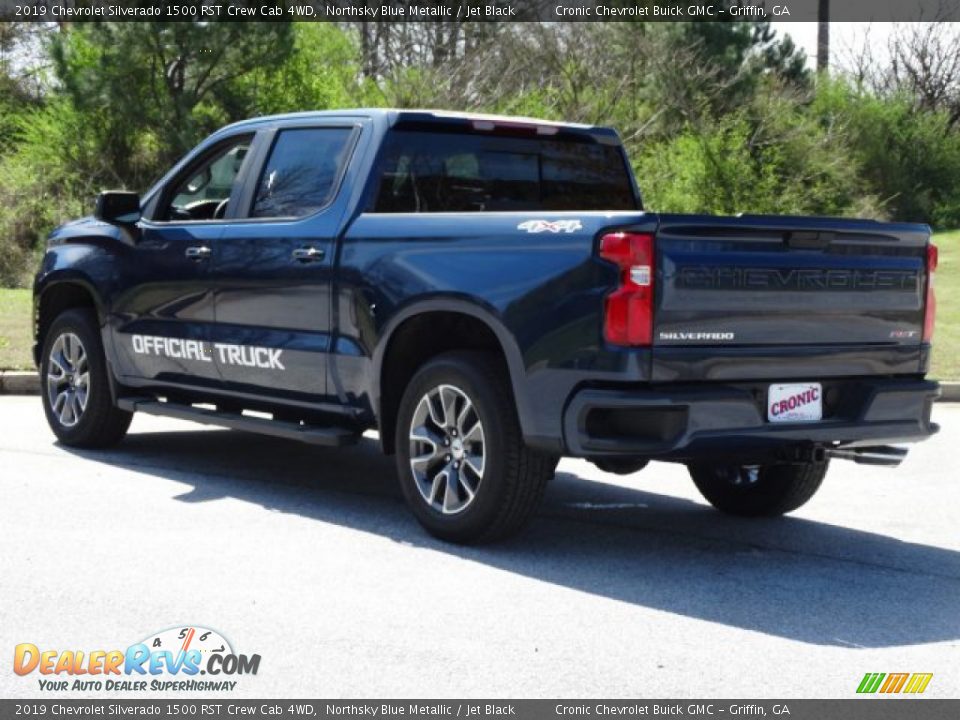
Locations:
(795, 402)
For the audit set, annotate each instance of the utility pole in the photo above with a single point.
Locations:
(823, 35)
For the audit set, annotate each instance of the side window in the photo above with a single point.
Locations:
(203, 193)
(300, 174)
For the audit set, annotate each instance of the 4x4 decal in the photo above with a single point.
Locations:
(553, 226)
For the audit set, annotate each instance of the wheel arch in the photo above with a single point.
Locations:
(55, 296)
(398, 356)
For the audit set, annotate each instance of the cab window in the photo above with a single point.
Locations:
(203, 191)
(300, 175)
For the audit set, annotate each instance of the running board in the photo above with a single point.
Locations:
(328, 436)
(886, 455)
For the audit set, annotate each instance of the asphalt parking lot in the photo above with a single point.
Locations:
(622, 587)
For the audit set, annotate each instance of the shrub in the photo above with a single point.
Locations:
(770, 157)
(908, 157)
(51, 174)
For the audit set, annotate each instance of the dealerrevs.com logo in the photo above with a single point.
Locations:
(170, 660)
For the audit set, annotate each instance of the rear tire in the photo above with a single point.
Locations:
(758, 490)
(463, 466)
(75, 386)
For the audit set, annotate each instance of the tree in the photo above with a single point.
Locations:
(20, 72)
(925, 64)
(922, 63)
(21, 59)
(747, 50)
(322, 71)
(157, 87)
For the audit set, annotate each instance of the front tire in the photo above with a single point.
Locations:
(758, 490)
(76, 391)
(463, 466)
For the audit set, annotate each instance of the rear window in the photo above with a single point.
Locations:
(458, 172)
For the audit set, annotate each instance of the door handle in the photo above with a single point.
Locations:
(199, 252)
(308, 254)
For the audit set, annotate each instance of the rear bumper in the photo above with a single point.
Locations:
(696, 420)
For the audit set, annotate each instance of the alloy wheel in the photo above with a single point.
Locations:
(68, 379)
(447, 449)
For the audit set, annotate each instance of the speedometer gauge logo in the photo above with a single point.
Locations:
(184, 639)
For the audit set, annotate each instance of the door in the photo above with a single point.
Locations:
(273, 267)
(165, 309)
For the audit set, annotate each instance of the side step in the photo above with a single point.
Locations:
(313, 434)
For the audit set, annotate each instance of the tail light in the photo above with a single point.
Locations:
(628, 312)
(930, 308)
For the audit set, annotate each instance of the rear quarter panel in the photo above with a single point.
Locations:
(541, 293)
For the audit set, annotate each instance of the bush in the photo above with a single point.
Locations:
(770, 157)
(52, 174)
(908, 157)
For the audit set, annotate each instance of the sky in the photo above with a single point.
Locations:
(844, 37)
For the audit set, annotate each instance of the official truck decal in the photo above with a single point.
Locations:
(227, 354)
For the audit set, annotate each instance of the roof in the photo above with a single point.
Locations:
(398, 115)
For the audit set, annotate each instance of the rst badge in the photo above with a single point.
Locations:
(552, 226)
(795, 402)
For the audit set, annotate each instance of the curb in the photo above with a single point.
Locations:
(28, 383)
(949, 392)
(19, 383)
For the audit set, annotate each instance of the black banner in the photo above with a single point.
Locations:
(475, 10)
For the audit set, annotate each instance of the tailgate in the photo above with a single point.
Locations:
(759, 286)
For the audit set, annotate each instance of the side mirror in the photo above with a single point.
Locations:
(118, 206)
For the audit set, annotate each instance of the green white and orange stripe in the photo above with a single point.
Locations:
(887, 683)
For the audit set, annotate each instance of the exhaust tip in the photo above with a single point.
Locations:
(884, 455)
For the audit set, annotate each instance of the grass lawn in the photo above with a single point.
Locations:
(16, 334)
(946, 336)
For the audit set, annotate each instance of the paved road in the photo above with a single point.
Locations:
(621, 587)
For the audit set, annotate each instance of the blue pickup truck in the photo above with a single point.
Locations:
(490, 295)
